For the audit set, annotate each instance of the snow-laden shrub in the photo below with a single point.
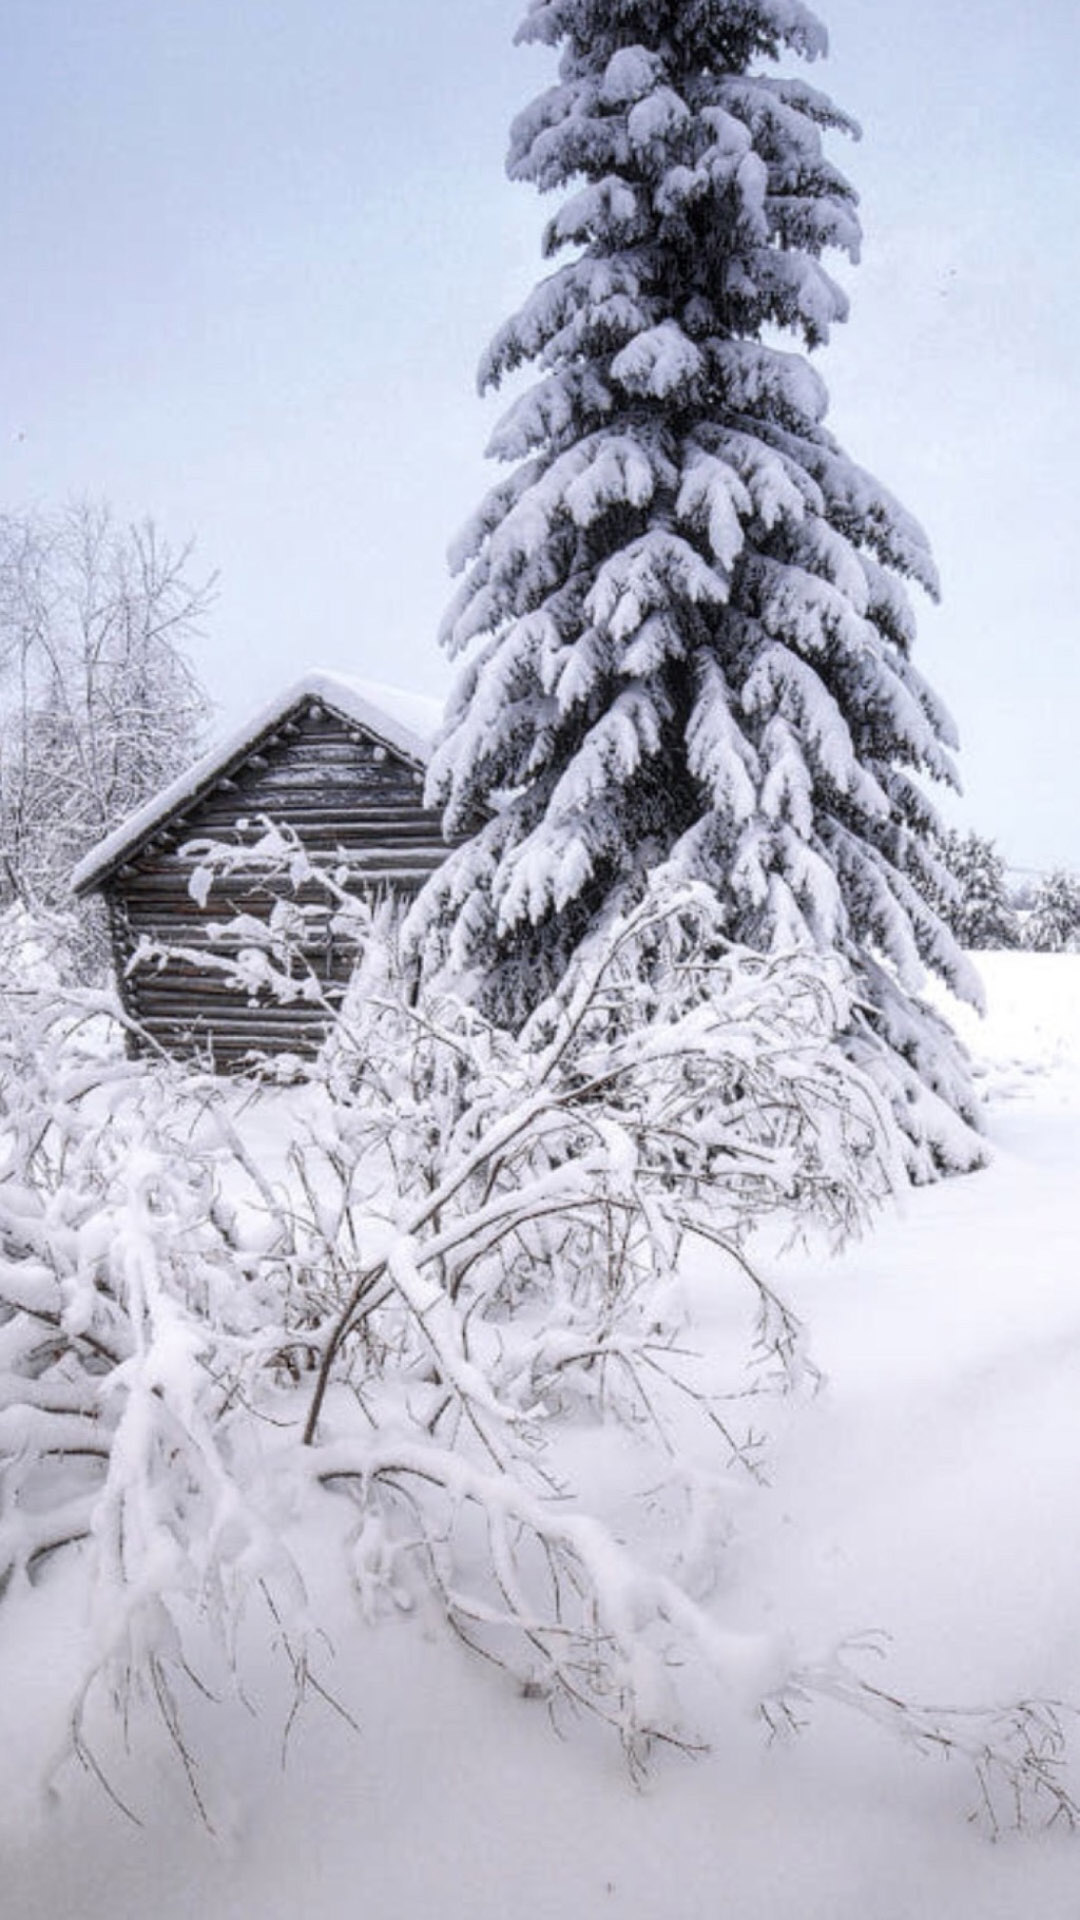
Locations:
(387, 1305)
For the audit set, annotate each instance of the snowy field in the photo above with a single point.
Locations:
(928, 1492)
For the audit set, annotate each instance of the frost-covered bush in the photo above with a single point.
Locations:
(386, 1305)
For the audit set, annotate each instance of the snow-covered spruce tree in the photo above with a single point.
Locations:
(981, 913)
(1054, 926)
(687, 628)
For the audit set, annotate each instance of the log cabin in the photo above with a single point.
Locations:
(339, 764)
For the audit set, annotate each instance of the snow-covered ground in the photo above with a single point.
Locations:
(928, 1491)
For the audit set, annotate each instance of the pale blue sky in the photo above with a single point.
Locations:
(253, 250)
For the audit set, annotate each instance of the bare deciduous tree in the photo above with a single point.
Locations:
(99, 703)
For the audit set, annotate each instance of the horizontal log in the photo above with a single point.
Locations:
(370, 856)
(186, 1006)
(173, 877)
(169, 910)
(185, 979)
(210, 1040)
(356, 810)
(235, 1033)
(346, 816)
(181, 995)
(195, 934)
(163, 916)
(332, 845)
(306, 796)
(361, 756)
(230, 1061)
(176, 906)
(252, 1033)
(340, 758)
(222, 1045)
(222, 815)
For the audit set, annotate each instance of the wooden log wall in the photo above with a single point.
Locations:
(350, 800)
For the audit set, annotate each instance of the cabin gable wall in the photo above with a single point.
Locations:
(350, 799)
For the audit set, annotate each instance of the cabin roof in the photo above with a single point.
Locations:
(406, 722)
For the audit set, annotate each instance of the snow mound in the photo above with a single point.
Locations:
(1027, 1046)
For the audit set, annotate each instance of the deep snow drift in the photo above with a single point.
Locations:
(928, 1492)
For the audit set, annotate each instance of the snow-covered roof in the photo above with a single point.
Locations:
(407, 722)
